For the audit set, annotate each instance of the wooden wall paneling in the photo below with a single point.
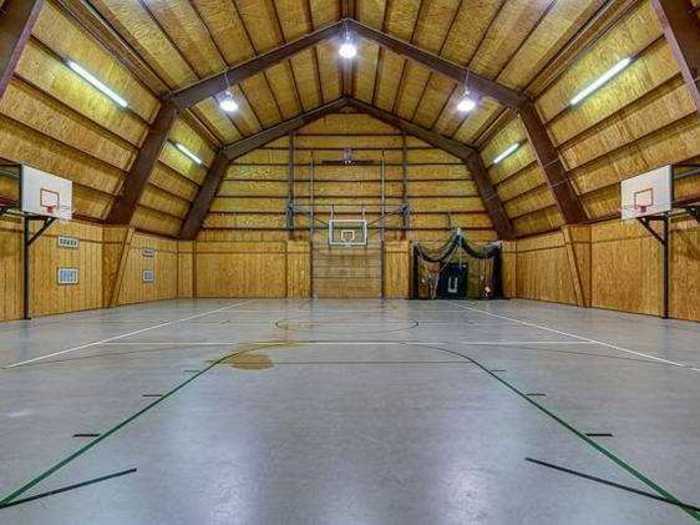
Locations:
(241, 269)
(49, 297)
(510, 270)
(626, 268)
(543, 269)
(10, 269)
(164, 263)
(685, 269)
(185, 269)
(397, 264)
(298, 269)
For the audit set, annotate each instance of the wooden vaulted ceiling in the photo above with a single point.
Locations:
(515, 49)
(179, 42)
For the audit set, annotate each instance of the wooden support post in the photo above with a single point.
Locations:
(578, 249)
(404, 185)
(121, 268)
(17, 19)
(497, 212)
(135, 183)
(290, 191)
(555, 174)
(682, 31)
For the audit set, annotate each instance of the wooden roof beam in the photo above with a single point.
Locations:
(208, 87)
(124, 207)
(202, 202)
(682, 31)
(199, 91)
(17, 19)
(456, 148)
(555, 174)
(468, 154)
(506, 96)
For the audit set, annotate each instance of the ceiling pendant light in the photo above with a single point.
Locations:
(228, 104)
(348, 49)
(467, 103)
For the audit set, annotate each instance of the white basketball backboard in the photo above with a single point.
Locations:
(45, 194)
(647, 194)
(347, 232)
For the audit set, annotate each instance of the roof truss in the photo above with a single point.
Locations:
(466, 153)
(16, 22)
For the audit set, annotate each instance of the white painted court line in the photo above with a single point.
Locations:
(341, 343)
(593, 341)
(128, 334)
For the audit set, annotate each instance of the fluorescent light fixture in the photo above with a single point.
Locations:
(601, 81)
(188, 153)
(228, 104)
(348, 49)
(466, 105)
(91, 79)
(509, 151)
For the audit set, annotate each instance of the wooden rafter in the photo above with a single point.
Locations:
(218, 83)
(458, 149)
(124, 207)
(200, 206)
(506, 96)
(16, 22)
(467, 154)
(492, 202)
(248, 144)
(555, 174)
(682, 31)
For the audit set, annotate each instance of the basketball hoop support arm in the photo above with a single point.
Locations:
(28, 241)
(665, 244)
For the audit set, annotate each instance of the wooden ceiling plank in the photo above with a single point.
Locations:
(236, 74)
(136, 181)
(548, 158)
(476, 52)
(258, 140)
(682, 30)
(16, 23)
(102, 31)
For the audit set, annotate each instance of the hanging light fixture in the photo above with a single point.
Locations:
(348, 49)
(467, 103)
(228, 104)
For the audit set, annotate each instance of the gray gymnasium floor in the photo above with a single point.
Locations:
(335, 412)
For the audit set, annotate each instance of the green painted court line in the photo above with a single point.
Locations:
(57, 466)
(609, 454)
